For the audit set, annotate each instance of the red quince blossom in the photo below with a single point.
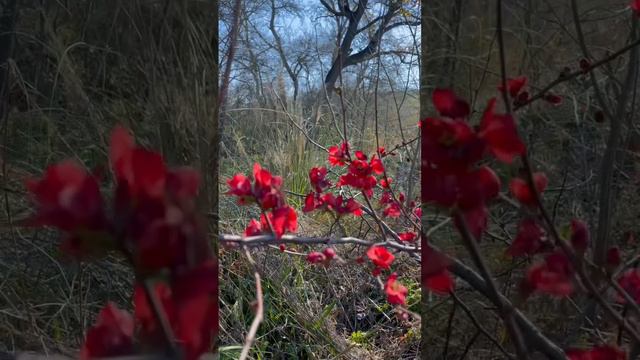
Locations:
(340, 206)
(267, 188)
(330, 202)
(450, 144)
(315, 257)
(139, 172)
(552, 276)
(579, 235)
(407, 236)
(190, 305)
(240, 186)
(630, 282)
(338, 156)
(360, 174)
(514, 86)
(329, 253)
(112, 334)
(396, 292)
(383, 152)
(386, 183)
(69, 198)
(393, 210)
(466, 189)
(311, 202)
(501, 135)
(317, 176)
(282, 220)
(529, 240)
(521, 191)
(380, 256)
(254, 228)
(434, 274)
(449, 105)
(602, 352)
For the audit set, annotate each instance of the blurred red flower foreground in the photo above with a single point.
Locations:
(153, 222)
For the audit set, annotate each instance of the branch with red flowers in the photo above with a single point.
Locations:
(154, 225)
(455, 180)
(363, 176)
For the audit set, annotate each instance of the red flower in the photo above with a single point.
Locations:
(190, 305)
(501, 134)
(520, 189)
(603, 352)
(579, 235)
(380, 256)
(407, 236)
(529, 239)
(440, 282)
(467, 189)
(142, 172)
(376, 165)
(450, 144)
(266, 188)
(449, 105)
(311, 202)
(359, 176)
(318, 175)
(240, 186)
(393, 210)
(396, 292)
(514, 85)
(283, 219)
(254, 228)
(329, 253)
(630, 282)
(553, 276)
(338, 155)
(635, 6)
(341, 207)
(434, 274)
(382, 151)
(69, 198)
(315, 257)
(111, 336)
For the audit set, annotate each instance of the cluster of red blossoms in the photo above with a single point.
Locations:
(451, 151)
(153, 222)
(277, 217)
(362, 174)
(453, 178)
